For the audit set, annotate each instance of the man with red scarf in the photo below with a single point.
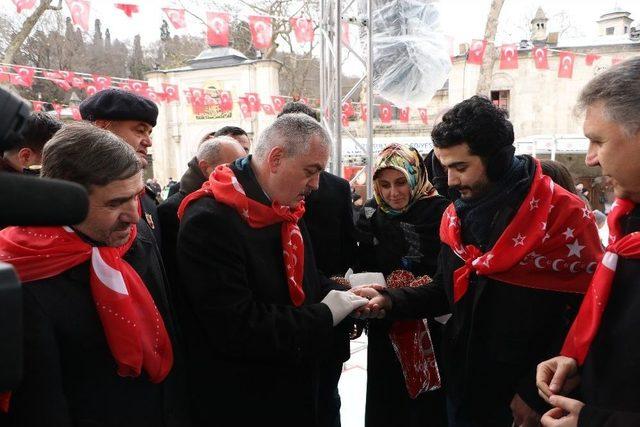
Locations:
(601, 350)
(517, 253)
(98, 334)
(263, 318)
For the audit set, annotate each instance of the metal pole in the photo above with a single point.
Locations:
(323, 58)
(337, 101)
(370, 99)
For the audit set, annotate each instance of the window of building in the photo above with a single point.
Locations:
(609, 31)
(626, 29)
(500, 99)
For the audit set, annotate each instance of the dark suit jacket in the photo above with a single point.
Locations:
(253, 354)
(610, 383)
(150, 213)
(70, 376)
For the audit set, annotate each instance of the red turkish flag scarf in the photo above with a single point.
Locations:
(225, 188)
(587, 322)
(132, 324)
(552, 243)
(218, 28)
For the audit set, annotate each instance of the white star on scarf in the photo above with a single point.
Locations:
(533, 204)
(518, 240)
(568, 234)
(575, 248)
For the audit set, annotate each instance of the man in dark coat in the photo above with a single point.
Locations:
(263, 316)
(99, 338)
(329, 219)
(601, 351)
(211, 153)
(509, 301)
(25, 155)
(132, 117)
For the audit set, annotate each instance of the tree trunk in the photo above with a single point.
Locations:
(486, 69)
(26, 29)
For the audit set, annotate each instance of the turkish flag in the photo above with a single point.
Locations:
(52, 75)
(75, 113)
(508, 57)
(344, 119)
(26, 75)
(540, 58)
(176, 16)
(261, 31)
(268, 109)
(303, 29)
(345, 33)
(476, 52)
(154, 96)
(128, 9)
(245, 110)
(37, 105)
(197, 94)
(347, 108)
(78, 82)
(67, 75)
(565, 64)
(125, 85)
(278, 102)
(209, 100)
(62, 84)
(404, 115)
(91, 89)
(101, 82)
(80, 12)
(590, 58)
(226, 101)
(385, 113)
(253, 100)
(24, 4)
(139, 87)
(423, 115)
(57, 108)
(304, 101)
(218, 28)
(364, 111)
(170, 92)
(4, 73)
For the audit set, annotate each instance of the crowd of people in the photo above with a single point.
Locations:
(227, 303)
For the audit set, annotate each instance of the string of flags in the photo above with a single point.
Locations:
(509, 57)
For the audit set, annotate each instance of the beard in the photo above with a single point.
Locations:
(474, 191)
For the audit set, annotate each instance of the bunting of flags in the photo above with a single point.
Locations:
(509, 57)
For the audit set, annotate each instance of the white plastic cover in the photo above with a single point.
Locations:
(410, 53)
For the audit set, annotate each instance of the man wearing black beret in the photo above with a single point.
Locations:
(131, 117)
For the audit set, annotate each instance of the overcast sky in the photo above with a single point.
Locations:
(462, 19)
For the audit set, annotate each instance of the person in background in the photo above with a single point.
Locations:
(211, 153)
(236, 133)
(559, 174)
(131, 117)
(25, 155)
(399, 230)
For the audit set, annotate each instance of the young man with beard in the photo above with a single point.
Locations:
(99, 338)
(517, 251)
(600, 355)
(263, 316)
(132, 117)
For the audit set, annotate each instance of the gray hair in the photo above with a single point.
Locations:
(85, 154)
(209, 150)
(619, 89)
(292, 132)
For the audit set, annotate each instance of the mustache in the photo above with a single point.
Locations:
(122, 226)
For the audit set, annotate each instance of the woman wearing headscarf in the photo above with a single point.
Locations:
(399, 230)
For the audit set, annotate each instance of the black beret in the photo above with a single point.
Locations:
(118, 104)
